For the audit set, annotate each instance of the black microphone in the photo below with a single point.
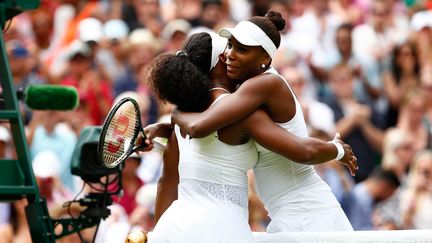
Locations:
(49, 97)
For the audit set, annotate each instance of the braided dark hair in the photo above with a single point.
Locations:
(271, 24)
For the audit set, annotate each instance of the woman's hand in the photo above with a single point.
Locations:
(349, 160)
(161, 130)
(144, 144)
(189, 123)
(145, 141)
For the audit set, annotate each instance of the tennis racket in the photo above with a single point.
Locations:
(120, 132)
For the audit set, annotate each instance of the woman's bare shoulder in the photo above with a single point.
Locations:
(265, 80)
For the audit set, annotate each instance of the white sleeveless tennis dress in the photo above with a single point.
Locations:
(295, 196)
(212, 199)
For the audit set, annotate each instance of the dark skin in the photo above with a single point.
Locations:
(262, 91)
(258, 91)
(167, 185)
(286, 143)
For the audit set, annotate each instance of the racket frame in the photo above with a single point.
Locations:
(138, 128)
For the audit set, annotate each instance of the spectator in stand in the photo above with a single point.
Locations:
(79, 118)
(6, 143)
(426, 86)
(116, 228)
(411, 118)
(42, 28)
(92, 89)
(47, 131)
(126, 11)
(144, 46)
(143, 215)
(174, 34)
(347, 11)
(421, 25)
(130, 183)
(282, 7)
(403, 76)
(210, 16)
(47, 167)
(65, 30)
(416, 199)
(42, 45)
(234, 6)
(374, 40)
(398, 153)
(149, 15)
(22, 67)
(367, 77)
(113, 55)
(356, 120)
(313, 31)
(397, 157)
(359, 202)
(189, 10)
(90, 32)
(298, 7)
(17, 229)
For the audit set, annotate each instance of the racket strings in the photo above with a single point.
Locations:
(119, 139)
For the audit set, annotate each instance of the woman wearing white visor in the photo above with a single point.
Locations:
(296, 198)
(204, 184)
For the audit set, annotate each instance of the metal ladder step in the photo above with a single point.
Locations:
(21, 190)
(10, 115)
(11, 174)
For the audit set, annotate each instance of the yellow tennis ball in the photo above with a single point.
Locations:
(137, 236)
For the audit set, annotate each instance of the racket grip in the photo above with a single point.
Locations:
(158, 146)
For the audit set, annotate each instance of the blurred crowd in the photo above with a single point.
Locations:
(362, 68)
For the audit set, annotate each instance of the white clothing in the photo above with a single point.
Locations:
(422, 217)
(321, 116)
(295, 196)
(307, 34)
(367, 41)
(212, 193)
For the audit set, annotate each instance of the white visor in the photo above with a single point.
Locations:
(218, 47)
(249, 34)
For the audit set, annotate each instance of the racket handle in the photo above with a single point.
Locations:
(158, 146)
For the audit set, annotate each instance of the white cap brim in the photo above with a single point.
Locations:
(249, 34)
(240, 35)
(421, 19)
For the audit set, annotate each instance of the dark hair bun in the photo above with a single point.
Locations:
(276, 19)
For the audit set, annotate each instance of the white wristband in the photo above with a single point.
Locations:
(340, 149)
